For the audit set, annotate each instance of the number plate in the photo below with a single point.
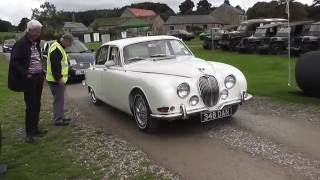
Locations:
(80, 72)
(210, 116)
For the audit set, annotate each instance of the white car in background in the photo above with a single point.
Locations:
(158, 78)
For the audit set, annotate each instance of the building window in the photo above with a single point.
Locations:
(188, 28)
(171, 28)
(242, 18)
(205, 27)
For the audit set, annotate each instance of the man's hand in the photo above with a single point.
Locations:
(61, 82)
(29, 76)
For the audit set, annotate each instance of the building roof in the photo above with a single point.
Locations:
(125, 42)
(75, 27)
(141, 12)
(124, 22)
(230, 8)
(193, 19)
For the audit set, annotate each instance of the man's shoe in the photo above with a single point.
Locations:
(60, 123)
(29, 139)
(41, 133)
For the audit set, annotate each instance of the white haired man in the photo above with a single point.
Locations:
(26, 75)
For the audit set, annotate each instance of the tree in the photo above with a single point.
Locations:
(204, 7)
(5, 26)
(316, 3)
(274, 10)
(227, 2)
(23, 24)
(50, 18)
(186, 7)
(239, 7)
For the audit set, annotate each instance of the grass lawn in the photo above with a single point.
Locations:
(93, 45)
(63, 153)
(49, 157)
(267, 75)
(7, 35)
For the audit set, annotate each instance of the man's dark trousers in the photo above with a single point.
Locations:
(32, 98)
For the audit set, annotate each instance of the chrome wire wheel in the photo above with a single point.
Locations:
(93, 97)
(140, 112)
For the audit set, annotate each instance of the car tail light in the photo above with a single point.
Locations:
(163, 109)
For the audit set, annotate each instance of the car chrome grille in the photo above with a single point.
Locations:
(209, 90)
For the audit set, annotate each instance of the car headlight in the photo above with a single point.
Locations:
(194, 100)
(72, 62)
(183, 90)
(230, 81)
(224, 94)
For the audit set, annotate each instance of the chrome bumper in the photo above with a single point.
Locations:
(184, 114)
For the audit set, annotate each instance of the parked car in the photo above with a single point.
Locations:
(263, 34)
(310, 41)
(212, 41)
(79, 58)
(209, 32)
(279, 43)
(182, 34)
(229, 41)
(158, 78)
(8, 45)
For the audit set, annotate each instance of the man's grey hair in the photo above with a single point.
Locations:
(67, 37)
(33, 24)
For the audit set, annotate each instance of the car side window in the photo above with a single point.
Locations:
(102, 55)
(114, 55)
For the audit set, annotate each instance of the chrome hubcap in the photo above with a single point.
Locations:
(93, 97)
(141, 112)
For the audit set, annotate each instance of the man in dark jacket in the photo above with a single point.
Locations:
(26, 75)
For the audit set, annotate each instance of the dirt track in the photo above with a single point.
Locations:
(249, 146)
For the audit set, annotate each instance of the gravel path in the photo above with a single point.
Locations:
(264, 105)
(114, 157)
(265, 148)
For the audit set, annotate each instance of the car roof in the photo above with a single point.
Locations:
(125, 42)
(252, 21)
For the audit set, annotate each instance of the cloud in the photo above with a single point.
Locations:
(14, 10)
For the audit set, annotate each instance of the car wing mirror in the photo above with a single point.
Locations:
(108, 64)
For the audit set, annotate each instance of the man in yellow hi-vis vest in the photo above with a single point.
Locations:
(57, 76)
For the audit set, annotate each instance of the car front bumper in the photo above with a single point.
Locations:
(185, 114)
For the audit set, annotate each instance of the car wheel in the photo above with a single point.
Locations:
(141, 112)
(276, 49)
(93, 97)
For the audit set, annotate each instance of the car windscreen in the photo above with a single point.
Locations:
(283, 32)
(77, 47)
(260, 33)
(10, 42)
(242, 27)
(314, 30)
(153, 50)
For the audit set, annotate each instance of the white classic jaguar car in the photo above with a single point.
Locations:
(158, 78)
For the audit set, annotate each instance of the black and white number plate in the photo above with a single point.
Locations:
(210, 116)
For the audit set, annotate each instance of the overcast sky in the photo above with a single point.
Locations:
(14, 10)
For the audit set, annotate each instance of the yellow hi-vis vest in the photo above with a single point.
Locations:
(64, 63)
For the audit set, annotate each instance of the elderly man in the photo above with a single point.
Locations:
(26, 75)
(57, 77)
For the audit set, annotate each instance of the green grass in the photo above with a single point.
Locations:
(93, 45)
(267, 75)
(7, 35)
(48, 158)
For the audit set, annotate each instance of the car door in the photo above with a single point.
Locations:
(94, 74)
(114, 81)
